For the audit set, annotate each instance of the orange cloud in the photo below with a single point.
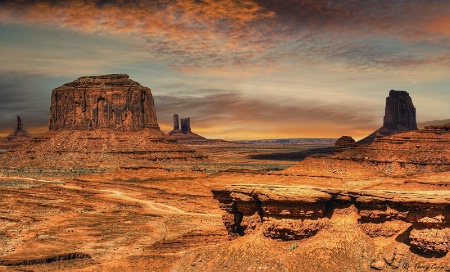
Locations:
(210, 33)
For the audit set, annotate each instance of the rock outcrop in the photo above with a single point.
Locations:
(186, 125)
(176, 123)
(109, 101)
(344, 143)
(296, 212)
(400, 116)
(17, 137)
(185, 134)
(19, 131)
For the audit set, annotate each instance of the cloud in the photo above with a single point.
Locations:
(228, 114)
(196, 34)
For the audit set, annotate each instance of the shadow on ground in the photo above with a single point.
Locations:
(293, 156)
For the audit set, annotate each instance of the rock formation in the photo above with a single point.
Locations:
(104, 121)
(176, 123)
(296, 212)
(344, 143)
(186, 125)
(19, 131)
(18, 137)
(185, 134)
(418, 151)
(109, 101)
(400, 116)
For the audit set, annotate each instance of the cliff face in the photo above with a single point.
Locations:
(400, 113)
(109, 101)
(296, 212)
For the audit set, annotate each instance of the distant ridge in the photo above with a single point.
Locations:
(330, 141)
(433, 123)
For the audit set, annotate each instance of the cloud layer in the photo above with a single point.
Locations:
(205, 33)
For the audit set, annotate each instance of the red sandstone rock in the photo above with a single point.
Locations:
(185, 134)
(400, 116)
(433, 240)
(109, 101)
(298, 212)
(100, 122)
(344, 143)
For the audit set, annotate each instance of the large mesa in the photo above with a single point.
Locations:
(108, 101)
(103, 122)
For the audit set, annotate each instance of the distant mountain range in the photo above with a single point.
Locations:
(330, 141)
(433, 123)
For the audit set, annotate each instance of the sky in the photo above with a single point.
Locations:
(240, 69)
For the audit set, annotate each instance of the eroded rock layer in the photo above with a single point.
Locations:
(410, 152)
(109, 101)
(296, 212)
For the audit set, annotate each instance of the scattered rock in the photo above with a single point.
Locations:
(431, 240)
(344, 143)
(378, 265)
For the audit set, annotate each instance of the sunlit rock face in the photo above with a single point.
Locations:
(108, 101)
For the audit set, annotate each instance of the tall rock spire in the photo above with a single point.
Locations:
(400, 113)
(399, 116)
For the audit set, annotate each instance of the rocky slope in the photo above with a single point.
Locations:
(405, 153)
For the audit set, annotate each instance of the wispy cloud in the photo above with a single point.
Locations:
(192, 34)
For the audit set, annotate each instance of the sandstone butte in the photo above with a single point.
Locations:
(184, 133)
(100, 121)
(400, 116)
